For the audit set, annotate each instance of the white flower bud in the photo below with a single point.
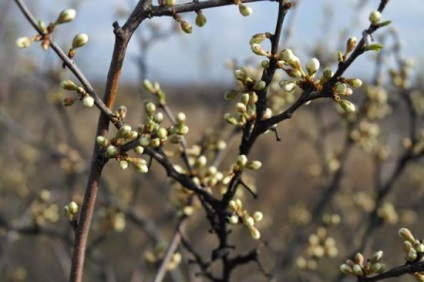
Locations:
(242, 160)
(312, 66)
(123, 164)
(79, 40)
(257, 49)
(375, 17)
(66, 16)
(254, 232)
(73, 208)
(88, 101)
(258, 216)
(111, 151)
(24, 42)
(347, 106)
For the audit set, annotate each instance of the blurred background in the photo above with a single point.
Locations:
(335, 184)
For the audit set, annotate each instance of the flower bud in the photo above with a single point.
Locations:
(68, 85)
(143, 168)
(249, 221)
(375, 17)
(355, 83)
(357, 270)
(327, 73)
(123, 131)
(155, 142)
(79, 40)
(23, 42)
(66, 16)
(139, 150)
(405, 234)
(102, 141)
(377, 256)
(294, 73)
(245, 10)
(287, 85)
(259, 85)
(169, 3)
(150, 108)
(73, 208)
(254, 232)
(286, 54)
(351, 44)
(111, 151)
(340, 88)
(312, 66)
(265, 64)
(88, 101)
(257, 49)
(258, 216)
(346, 269)
(229, 95)
(255, 165)
(233, 219)
(186, 27)
(240, 74)
(181, 117)
(200, 19)
(347, 106)
(242, 160)
(123, 164)
(257, 38)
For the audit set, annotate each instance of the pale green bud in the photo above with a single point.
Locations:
(124, 131)
(162, 133)
(351, 44)
(158, 117)
(258, 216)
(295, 73)
(340, 88)
(186, 27)
(169, 3)
(139, 150)
(265, 64)
(357, 270)
(259, 85)
(155, 142)
(141, 167)
(183, 130)
(405, 234)
(287, 85)
(42, 26)
(73, 208)
(149, 86)
(111, 151)
(257, 38)
(257, 49)
(327, 73)
(254, 232)
(150, 108)
(241, 108)
(66, 16)
(240, 74)
(233, 219)
(79, 40)
(123, 164)
(249, 221)
(375, 17)
(347, 106)
(24, 42)
(245, 10)
(355, 83)
(346, 269)
(68, 85)
(200, 19)
(377, 256)
(230, 119)
(242, 160)
(181, 117)
(312, 66)
(88, 101)
(255, 165)
(411, 255)
(377, 267)
(286, 54)
(102, 141)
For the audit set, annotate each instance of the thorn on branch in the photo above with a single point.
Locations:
(248, 189)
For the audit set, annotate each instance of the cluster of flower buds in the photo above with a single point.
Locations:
(361, 267)
(246, 107)
(71, 211)
(65, 16)
(413, 248)
(320, 245)
(242, 216)
(366, 135)
(43, 211)
(82, 94)
(156, 257)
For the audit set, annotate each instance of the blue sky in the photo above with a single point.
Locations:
(227, 33)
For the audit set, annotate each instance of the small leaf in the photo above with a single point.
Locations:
(374, 47)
